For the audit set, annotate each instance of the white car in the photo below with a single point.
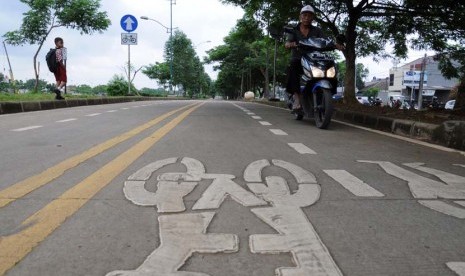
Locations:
(450, 104)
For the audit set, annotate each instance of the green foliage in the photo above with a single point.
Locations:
(31, 84)
(150, 92)
(158, 71)
(371, 92)
(46, 15)
(246, 60)
(118, 86)
(370, 25)
(84, 89)
(100, 89)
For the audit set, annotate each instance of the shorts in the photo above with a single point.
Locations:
(60, 74)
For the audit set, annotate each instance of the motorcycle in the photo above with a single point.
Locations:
(318, 82)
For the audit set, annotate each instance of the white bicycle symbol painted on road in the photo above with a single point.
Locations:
(181, 235)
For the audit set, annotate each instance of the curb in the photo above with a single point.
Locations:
(17, 107)
(450, 134)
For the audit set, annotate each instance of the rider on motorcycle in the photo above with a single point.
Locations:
(303, 30)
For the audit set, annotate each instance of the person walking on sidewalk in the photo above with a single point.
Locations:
(60, 73)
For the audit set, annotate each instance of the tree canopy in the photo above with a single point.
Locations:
(370, 25)
(188, 70)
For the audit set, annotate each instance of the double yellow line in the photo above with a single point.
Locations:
(15, 247)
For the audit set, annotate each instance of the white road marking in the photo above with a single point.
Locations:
(221, 187)
(441, 148)
(354, 185)
(457, 267)
(169, 195)
(257, 117)
(26, 128)
(425, 188)
(111, 111)
(263, 123)
(444, 208)
(301, 148)
(66, 120)
(125, 108)
(278, 132)
(460, 165)
(250, 113)
(93, 114)
(296, 234)
(180, 237)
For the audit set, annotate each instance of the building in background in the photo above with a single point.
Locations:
(404, 82)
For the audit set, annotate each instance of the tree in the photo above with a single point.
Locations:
(360, 74)
(158, 71)
(244, 60)
(46, 15)
(118, 86)
(100, 89)
(84, 89)
(33, 84)
(368, 25)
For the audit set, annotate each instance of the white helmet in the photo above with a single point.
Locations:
(307, 8)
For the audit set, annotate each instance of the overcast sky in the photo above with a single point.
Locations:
(94, 59)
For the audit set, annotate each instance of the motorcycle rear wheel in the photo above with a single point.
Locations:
(324, 109)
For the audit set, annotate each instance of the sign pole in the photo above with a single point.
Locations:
(129, 69)
(129, 24)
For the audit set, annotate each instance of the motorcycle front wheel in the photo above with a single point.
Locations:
(324, 108)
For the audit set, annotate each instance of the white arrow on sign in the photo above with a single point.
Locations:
(129, 23)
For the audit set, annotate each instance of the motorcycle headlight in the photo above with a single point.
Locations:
(331, 72)
(318, 73)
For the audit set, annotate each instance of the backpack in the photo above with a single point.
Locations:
(51, 59)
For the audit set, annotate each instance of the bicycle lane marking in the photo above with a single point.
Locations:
(15, 247)
(32, 183)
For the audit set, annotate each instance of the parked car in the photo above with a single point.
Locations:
(450, 104)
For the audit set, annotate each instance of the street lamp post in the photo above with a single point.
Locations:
(170, 31)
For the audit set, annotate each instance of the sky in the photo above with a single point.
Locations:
(95, 59)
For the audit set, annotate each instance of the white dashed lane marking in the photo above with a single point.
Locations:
(301, 148)
(353, 184)
(111, 111)
(263, 123)
(250, 113)
(278, 132)
(66, 120)
(26, 128)
(93, 114)
(457, 267)
(257, 117)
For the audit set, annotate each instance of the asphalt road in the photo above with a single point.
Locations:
(198, 188)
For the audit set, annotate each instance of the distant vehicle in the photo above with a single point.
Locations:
(218, 97)
(363, 100)
(450, 104)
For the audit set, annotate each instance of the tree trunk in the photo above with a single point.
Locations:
(350, 55)
(460, 100)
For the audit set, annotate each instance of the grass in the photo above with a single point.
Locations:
(44, 96)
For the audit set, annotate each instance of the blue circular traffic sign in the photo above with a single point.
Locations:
(128, 23)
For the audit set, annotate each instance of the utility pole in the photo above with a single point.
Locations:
(12, 78)
(420, 87)
(172, 47)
